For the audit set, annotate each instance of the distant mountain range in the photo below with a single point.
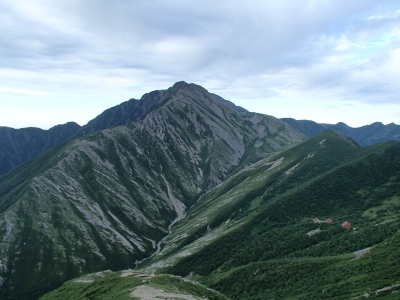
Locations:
(364, 136)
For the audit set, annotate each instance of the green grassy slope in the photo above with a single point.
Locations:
(268, 253)
(131, 285)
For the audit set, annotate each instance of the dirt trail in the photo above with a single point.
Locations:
(145, 292)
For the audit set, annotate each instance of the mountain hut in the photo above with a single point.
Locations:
(346, 224)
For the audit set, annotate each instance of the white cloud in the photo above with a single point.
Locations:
(7, 91)
(278, 51)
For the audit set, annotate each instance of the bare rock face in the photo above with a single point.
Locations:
(105, 200)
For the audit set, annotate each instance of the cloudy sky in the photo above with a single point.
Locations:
(327, 61)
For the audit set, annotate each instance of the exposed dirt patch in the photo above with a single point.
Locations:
(84, 280)
(312, 232)
(360, 253)
(276, 163)
(288, 172)
(145, 292)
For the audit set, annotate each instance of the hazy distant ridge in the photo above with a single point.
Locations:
(20, 145)
(364, 135)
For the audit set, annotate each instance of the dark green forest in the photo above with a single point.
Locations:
(272, 256)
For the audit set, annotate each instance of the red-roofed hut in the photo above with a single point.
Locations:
(346, 224)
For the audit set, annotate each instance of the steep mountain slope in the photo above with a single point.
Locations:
(364, 136)
(134, 109)
(263, 232)
(106, 199)
(17, 146)
(125, 112)
(20, 145)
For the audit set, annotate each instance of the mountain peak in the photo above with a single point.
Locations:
(342, 125)
(180, 84)
(377, 124)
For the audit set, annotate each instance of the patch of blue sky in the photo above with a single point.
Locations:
(374, 48)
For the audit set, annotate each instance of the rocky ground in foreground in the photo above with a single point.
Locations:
(131, 284)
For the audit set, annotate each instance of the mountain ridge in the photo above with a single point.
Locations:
(33, 141)
(365, 135)
(131, 110)
(104, 200)
(20, 145)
